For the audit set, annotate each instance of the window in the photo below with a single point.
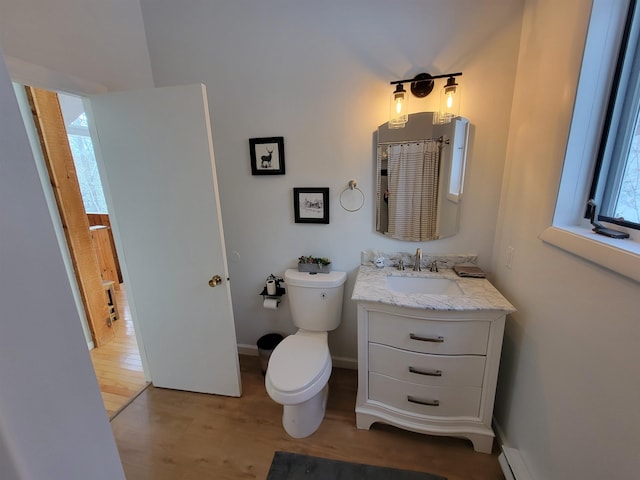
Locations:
(616, 190)
(83, 155)
(616, 182)
(87, 171)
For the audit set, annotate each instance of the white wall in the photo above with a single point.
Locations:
(568, 390)
(84, 45)
(318, 73)
(52, 419)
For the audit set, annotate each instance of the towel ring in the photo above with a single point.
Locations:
(352, 186)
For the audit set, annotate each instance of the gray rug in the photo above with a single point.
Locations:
(294, 466)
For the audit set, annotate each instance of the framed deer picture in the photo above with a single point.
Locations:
(267, 156)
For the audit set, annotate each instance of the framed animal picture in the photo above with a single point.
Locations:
(267, 156)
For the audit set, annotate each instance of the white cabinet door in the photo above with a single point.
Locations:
(155, 153)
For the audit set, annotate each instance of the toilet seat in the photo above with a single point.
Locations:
(299, 368)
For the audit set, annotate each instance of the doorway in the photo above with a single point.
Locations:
(72, 171)
(161, 187)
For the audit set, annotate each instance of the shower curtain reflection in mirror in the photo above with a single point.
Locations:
(408, 194)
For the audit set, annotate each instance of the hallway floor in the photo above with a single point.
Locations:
(117, 364)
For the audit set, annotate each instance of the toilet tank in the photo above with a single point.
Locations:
(315, 300)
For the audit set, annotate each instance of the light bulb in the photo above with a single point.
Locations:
(449, 100)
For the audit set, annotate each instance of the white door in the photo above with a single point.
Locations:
(155, 153)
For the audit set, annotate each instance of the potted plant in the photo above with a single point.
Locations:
(314, 264)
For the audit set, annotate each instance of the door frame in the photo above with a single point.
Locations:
(21, 95)
(42, 77)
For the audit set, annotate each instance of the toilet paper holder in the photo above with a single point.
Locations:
(270, 292)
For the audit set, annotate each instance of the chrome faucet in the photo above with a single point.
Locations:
(433, 267)
(400, 264)
(417, 261)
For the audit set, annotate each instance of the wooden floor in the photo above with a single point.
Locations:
(117, 364)
(168, 434)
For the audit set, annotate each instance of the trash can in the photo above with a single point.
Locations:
(266, 344)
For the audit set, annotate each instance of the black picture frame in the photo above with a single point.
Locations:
(267, 156)
(311, 205)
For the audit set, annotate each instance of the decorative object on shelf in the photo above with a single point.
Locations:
(311, 205)
(421, 86)
(267, 156)
(271, 287)
(314, 264)
(276, 290)
(347, 196)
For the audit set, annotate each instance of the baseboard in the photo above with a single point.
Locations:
(511, 461)
(250, 350)
(344, 362)
(339, 362)
(504, 466)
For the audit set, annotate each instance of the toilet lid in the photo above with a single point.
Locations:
(298, 361)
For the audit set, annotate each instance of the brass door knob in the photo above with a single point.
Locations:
(215, 281)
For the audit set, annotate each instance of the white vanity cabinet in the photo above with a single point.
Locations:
(429, 371)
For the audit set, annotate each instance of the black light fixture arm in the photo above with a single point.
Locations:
(422, 84)
(424, 77)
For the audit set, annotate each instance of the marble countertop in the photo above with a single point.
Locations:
(478, 293)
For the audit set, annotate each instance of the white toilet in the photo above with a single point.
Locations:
(300, 366)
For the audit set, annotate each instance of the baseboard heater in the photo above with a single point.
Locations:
(512, 465)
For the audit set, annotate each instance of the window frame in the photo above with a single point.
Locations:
(570, 230)
(619, 122)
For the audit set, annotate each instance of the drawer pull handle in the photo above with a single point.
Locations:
(429, 403)
(430, 373)
(434, 339)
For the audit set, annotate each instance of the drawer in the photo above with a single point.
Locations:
(410, 397)
(429, 336)
(426, 369)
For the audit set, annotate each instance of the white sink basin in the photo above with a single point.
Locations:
(429, 285)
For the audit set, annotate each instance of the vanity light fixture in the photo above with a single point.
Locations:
(398, 107)
(421, 86)
(449, 101)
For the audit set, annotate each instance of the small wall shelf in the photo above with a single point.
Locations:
(279, 292)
